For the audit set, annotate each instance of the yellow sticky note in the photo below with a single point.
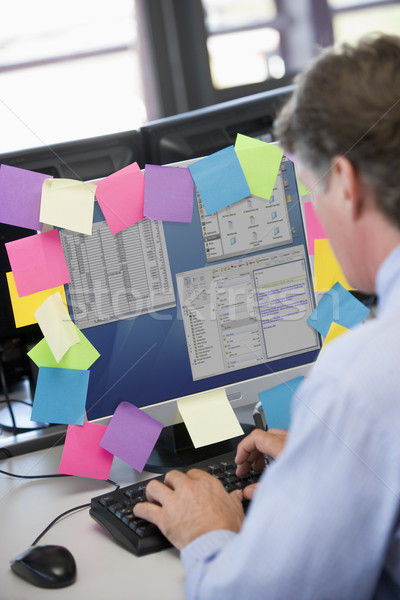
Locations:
(209, 418)
(56, 325)
(24, 307)
(69, 204)
(335, 331)
(327, 270)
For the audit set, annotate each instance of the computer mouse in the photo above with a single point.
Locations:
(46, 566)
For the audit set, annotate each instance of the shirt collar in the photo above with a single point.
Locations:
(388, 280)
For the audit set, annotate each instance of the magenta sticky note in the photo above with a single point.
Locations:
(120, 197)
(168, 193)
(131, 435)
(82, 454)
(38, 262)
(315, 230)
(20, 196)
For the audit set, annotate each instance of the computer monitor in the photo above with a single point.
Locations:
(203, 131)
(177, 309)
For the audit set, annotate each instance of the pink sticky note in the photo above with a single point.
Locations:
(120, 197)
(38, 262)
(20, 195)
(82, 454)
(315, 230)
(131, 435)
(168, 193)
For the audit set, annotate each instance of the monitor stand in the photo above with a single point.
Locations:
(174, 449)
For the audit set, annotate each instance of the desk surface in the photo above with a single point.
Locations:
(105, 569)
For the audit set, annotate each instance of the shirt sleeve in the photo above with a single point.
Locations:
(320, 521)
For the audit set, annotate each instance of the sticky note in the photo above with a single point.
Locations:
(327, 270)
(131, 435)
(314, 227)
(121, 197)
(168, 193)
(260, 163)
(68, 204)
(60, 396)
(209, 418)
(219, 179)
(340, 306)
(20, 195)
(82, 454)
(24, 307)
(38, 262)
(335, 331)
(277, 402)
(56, 325)
(79, 356)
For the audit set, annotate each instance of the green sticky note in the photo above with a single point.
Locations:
(260, 163)
(79, 356)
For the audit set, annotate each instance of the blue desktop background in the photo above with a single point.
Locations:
(144, 360)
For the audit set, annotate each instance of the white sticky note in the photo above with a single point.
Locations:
(56, 325)
(209, 418)
(68, 204)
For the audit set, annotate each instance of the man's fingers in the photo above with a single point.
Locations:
(147, 510)
(157, 492)
(174, 478)
(249, 490)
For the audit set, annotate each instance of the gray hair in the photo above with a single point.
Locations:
(347, 103)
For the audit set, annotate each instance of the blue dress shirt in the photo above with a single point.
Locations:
(325, 520)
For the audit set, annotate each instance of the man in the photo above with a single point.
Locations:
(324, 522)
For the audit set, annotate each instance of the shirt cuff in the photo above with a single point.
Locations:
(205, 547)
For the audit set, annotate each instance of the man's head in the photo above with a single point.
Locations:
(348, 104)
(343, 126)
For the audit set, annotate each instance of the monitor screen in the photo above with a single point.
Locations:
(175, 309)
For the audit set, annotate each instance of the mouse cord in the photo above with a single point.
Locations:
(65, 513)
(54, 521)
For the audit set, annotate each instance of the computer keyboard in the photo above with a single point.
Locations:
(113, 511)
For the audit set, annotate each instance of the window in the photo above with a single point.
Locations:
(68, 70)
(243, 42)
(351, 20)
(253, 42)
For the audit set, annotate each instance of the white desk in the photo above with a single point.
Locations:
(105, 570)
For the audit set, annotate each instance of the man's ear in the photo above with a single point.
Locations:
(347, 176)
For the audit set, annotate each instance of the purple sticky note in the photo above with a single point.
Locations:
(20, 196)
(131, 435)
(38, 262)
(315, 229)
(83, 455)
(120, 196)
(168, 193)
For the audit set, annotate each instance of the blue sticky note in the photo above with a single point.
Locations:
(338, 305)
(60, 396)
(220, 180)
(277, 401)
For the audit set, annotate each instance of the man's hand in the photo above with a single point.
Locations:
(251, 452)
(187, 505)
